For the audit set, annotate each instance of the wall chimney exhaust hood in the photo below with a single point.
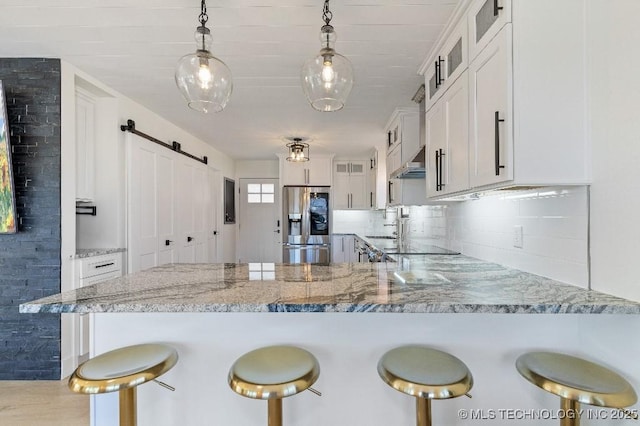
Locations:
(414, 169)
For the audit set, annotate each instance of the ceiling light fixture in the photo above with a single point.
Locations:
(327, 79)
(204, 80)
(298, 150)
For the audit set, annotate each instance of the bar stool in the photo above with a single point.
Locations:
(426, 374)
(576, 381)
(123, 370)
(273, 373)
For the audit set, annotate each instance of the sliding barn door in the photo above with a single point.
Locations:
(169, 206)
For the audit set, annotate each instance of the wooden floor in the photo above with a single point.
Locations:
(42, 403)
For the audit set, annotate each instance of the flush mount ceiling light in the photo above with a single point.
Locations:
(204, 80)
(298, 149)
(327, 79)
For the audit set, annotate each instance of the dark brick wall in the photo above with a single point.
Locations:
(30, 259)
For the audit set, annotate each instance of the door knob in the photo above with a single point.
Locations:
(277, 231)
(167, 242)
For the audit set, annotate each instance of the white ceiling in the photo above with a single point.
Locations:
(133, 46)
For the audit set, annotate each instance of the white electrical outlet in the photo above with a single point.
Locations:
(517, 236)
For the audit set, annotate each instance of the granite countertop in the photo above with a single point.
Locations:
(431, 284)
(82, 253)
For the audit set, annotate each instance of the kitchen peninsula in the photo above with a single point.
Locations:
(212, 313)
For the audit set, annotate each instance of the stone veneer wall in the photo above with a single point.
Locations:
(30, 259)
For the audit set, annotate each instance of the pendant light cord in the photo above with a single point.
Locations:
(203, 18)
(327, 16)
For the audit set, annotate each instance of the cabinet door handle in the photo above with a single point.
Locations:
(168, 242)
(442, 154)
(439, 78)
(189, 239)
(496, 8)
(342, 239)
(104, 265)
(437, 170)
(371, 199)
(497, 121)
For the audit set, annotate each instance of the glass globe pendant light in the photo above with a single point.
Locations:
(327, 79)
(204, 80)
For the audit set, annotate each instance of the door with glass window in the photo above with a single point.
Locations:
(259, 226)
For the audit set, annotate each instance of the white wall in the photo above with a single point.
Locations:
(108, 229)
(265, 169)
(614, 61)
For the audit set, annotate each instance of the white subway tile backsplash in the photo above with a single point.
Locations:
(555, 228)
(554, 223)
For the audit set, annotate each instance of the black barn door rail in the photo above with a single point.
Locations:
(175, 146)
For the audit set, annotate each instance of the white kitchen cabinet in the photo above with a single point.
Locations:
(491, 154)
(527, 121)
(485, 20)
(372, 179)
(447, 65)
(343, 248)
(350, 185)
(403, 191)
(447, 124)
(403, 131)
(85, 133)
(89, 271)
(315, 172)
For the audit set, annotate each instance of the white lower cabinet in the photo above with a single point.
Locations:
(89, 271)
(343, 249)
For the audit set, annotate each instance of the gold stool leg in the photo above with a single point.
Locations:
(128, 407)
(423, 411)
(275, 412)
(571, 410)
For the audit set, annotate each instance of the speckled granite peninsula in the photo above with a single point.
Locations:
(434, 284)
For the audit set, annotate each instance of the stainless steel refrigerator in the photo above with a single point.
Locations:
(307, 224)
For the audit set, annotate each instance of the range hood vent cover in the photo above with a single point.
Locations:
(414, 169)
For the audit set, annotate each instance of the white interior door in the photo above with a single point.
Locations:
(260, 231)
(192, 189)
(153, 230)
(169, 207)
(213, 202)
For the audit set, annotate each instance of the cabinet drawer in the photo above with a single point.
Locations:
(99, 278)
(99, 265)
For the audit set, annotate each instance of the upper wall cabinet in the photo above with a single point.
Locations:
(447, 130)
(527, 121)
(450, 62)
(485, 19)
(85, 145)
(491, 150)
(316, 171)
(350, 185)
